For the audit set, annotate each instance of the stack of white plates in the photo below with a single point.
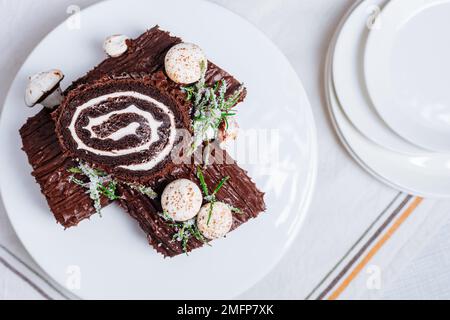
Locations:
(388, 90)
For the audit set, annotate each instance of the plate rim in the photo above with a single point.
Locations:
(397, 144)
(328, 85)
(371, 75)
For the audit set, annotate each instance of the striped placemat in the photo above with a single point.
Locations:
(382, 250)
(364, 271)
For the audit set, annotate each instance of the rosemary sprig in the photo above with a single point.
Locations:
(76, 170)
(166, 216)
(211, 198)
(211, 108)
(196, 233)
(77, 181)
(210, 211)
(109, 190)
(201, 178)
(184, 231)
(220, 185)
(99, 183)
(183, 236)
(149, 192)
(235, 210)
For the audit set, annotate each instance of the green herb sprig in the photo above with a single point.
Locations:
(149, 192)
(101, 184)
(211, 197)
(184, 231)
(211, 108)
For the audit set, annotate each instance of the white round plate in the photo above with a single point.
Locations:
(111, 252)
(421, 175)
(407, 70)
(348, 78)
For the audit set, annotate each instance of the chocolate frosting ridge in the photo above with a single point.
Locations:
(69, 202)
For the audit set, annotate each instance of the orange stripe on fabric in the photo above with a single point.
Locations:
(375, 249)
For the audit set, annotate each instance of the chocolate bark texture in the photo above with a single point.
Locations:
(144, 59)
(239, 192)
(69, 202)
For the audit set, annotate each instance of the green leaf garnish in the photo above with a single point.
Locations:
(211, 205)
(98, 184)
(184, 231)
(202, 181)
(109, 190)
(74, 170)
(220, 185)
(211, 197)
(149, 192)
(235, 210)
(211, 108)
(196, 233)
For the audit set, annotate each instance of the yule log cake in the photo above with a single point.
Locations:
(114, 130)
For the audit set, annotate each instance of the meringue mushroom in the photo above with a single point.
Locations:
(220, 221)
(44, 88)
(115, 45)
(181, 199)
(185, 63)
(227, 133)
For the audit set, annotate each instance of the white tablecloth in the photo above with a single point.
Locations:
(361, 239)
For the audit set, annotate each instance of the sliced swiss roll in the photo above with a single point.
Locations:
(127, 127)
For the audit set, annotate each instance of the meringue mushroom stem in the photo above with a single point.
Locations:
(53, 98)
(44, 88)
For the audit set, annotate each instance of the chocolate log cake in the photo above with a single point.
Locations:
(120, 119)
(239, 192)
(144, 58)
(69, 202)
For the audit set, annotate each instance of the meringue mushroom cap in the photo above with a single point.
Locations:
(220, 222)
(181, 199)
(115, 45)
(41, 84)
(183, 63)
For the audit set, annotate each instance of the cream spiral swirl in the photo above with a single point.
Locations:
(124, 129)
